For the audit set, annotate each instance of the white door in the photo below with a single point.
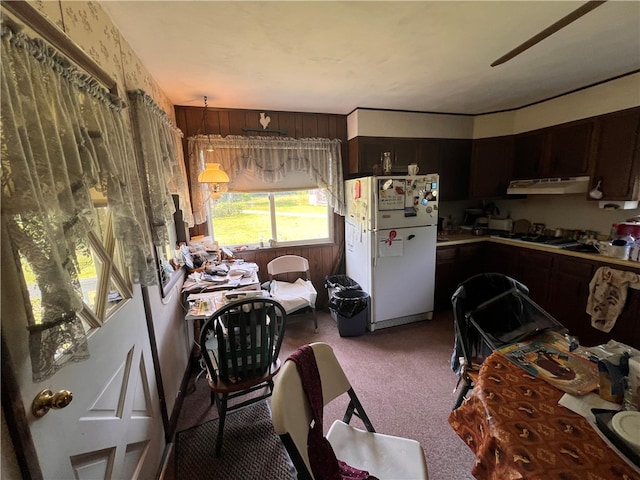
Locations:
(112, 429)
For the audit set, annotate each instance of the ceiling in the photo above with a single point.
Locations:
(334, 57)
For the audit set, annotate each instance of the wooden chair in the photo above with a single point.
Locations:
(240, 345)
(297, 293)
(383, 456)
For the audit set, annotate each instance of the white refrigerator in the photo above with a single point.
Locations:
(390, 245)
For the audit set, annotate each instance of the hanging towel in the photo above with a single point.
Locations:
(324, 464)
(607, 295)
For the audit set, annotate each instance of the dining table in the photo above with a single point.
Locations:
(516, 428)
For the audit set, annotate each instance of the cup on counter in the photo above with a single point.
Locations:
(413, 169)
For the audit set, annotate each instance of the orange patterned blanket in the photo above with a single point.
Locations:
(517, 430)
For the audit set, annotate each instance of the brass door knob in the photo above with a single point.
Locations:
(47, 400)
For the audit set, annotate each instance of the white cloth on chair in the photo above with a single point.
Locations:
(294, 296)
(607, 296)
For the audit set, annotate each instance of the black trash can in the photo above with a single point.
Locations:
(337, 283)
(340, 282)
(351, 308)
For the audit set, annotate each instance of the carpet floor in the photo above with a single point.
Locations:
(251, 449)
(401, 375)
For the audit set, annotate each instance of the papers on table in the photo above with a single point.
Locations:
(203, 305)
(239, 276)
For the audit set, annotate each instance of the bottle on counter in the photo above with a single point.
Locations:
(614, 232)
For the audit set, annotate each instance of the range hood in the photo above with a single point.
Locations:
(552, 186)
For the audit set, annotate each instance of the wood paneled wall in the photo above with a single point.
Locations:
(325, 259)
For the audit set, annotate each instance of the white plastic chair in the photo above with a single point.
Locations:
(383, 456)
(297, 295)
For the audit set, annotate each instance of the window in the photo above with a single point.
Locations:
(299, 217)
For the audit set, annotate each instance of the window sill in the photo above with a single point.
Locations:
(284, 246)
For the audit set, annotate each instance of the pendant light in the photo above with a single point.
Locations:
(213, 175)
(215, 178)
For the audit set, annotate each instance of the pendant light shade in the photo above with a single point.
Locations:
(215, 178)
(213, 174)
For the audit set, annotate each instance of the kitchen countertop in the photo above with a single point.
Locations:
(465, 238)
(460, 239)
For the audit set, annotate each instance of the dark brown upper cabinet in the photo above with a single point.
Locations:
(569, 146)
(454, 164)
(429, 155)
(491, 166)
(617, 156)
(528, 154)
(366, 152)
(448, 157)
(558, 151)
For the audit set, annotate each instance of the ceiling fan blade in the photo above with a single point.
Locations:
(563, 22)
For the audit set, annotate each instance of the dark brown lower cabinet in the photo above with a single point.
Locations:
(557, 282)
(501, 258)
(454, 264)
(473, 260)
(446, 276)
(533, 268)
(568, 295)
(627, 326)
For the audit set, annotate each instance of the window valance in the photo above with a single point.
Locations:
(267, 163)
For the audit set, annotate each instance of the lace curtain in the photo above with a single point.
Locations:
(269, 160)
(63, 134)
(159, 149)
